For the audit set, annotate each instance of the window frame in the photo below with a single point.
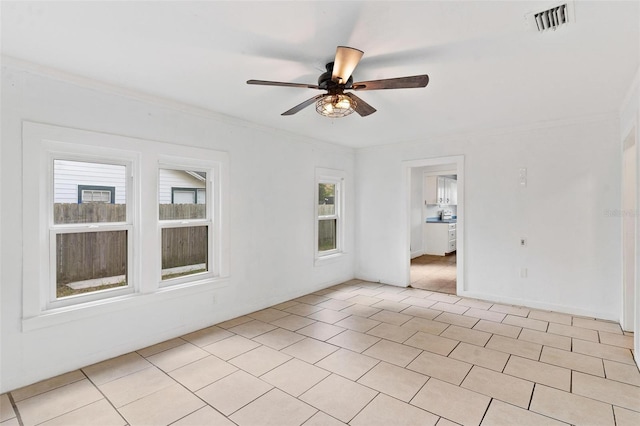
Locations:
(212, 170)
(39, 141)
(337, 178)
(60, 151)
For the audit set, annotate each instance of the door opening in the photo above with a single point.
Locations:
(435, 201)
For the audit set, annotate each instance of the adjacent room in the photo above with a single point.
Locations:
(319, 213)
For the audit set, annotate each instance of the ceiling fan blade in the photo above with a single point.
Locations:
(303, 105)
(279, 83)
(362, 107)
(346, 60)
(393, 83)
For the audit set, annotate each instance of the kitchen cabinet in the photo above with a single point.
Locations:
(440, 238)
(453, 192)
(440, 190)
(431, 186)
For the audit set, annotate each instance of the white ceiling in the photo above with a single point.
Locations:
(487, 67)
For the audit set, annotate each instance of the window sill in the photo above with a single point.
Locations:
(58, 316)
(329, 258)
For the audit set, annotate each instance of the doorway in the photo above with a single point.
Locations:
(434, 273)
(439, 270)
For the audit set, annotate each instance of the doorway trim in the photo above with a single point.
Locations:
(629, 209)
(407, 165)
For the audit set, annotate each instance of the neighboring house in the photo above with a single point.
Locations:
(83, 182)
(182, 187)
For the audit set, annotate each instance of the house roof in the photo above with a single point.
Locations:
(488, 66)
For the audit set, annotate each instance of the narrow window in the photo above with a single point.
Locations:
(185, 220)
(329, 212)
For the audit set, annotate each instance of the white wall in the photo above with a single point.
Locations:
(272, 245)
(573, 252)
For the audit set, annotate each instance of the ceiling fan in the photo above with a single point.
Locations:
(338, 78)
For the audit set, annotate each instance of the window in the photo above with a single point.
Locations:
(185, 223)
(90, 239)
(96, 194)
(85, 196)
(329, 212)
(188, 195)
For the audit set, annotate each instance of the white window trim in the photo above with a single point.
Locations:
(49, 151)
(337, 177)
(212, 191)
(144, 156)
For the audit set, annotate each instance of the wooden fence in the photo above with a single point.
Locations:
(88, 213)
(327, 235)
(327, 228)
(184, 246)
(326, 209)
(182, 211)
(89, 255)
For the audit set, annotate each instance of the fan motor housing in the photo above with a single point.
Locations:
(325, 82)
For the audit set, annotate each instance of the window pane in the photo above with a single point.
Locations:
(181, 194)
(327, 235)
(184, 251)
(90, 261)
(87, 192)
(326, 199)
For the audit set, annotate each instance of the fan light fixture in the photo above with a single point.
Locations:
(338, 78)
(335, 106)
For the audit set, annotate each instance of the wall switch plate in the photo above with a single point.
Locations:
(522, 176)
(523, 272)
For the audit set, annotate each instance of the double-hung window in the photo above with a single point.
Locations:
(329, 212)
(90, 227)
(185, 221)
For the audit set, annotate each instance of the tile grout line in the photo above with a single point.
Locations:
(15, 408)
(486, 409)
(105, 396)
(448, 325)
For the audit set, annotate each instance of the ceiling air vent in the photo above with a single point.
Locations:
(551, 19)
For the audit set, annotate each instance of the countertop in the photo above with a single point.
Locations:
(437, 220)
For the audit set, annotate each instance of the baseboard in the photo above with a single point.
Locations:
(416, 253)
(544, 306)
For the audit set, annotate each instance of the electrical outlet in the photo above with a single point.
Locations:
(523, 272)
(522, 176)
(523, 241)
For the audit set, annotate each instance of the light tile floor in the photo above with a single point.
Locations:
(358, 353)
(434, 273)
